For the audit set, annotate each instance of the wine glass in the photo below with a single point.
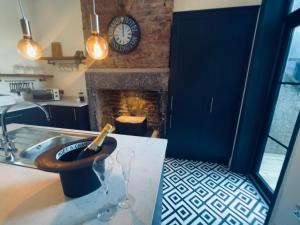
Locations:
(103, 166)
(125, 157)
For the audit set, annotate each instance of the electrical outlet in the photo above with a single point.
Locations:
(296, 212)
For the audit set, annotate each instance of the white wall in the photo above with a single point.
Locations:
(288, 196)
(189, 5)
(10, 35)
(60, 21)
(51, 21)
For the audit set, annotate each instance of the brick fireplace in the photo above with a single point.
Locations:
(133, 84)
(128, 92)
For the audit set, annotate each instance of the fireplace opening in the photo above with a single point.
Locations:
(134, 105)
(128, 92)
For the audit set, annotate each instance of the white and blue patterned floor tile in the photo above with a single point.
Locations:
(200, 193)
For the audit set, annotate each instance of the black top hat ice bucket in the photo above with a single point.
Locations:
(77, 176)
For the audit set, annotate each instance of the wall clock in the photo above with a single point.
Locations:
(123, 34)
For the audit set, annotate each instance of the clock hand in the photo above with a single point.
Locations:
(123, 30)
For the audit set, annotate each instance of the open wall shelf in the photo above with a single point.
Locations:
(77, 59)
(39, 76)
(58, 58)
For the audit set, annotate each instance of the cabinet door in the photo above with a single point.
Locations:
(209, 58)
(83, 120)
(31, 116)
(14, 117)
(35, 116)
(63, 117)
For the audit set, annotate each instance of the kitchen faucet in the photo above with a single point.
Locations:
(6, 144)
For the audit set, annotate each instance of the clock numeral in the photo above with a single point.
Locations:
(126, 20)
(134, 40)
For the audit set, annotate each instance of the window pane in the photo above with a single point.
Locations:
(286, 113)
(295, 5)
(272, 162)
(292, 69)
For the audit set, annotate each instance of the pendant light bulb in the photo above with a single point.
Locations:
(96, 46)
(28, 48)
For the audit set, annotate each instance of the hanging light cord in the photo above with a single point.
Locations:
(21, 8)
(94, 7)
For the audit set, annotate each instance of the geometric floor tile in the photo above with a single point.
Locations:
(201, 193)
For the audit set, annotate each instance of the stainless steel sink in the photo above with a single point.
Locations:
(33, 152)
(31, 142)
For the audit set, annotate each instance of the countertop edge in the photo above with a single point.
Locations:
(46, 103)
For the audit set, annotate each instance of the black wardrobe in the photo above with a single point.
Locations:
(210, 50)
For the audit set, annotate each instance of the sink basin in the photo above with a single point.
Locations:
(31, 142)
(33, 152)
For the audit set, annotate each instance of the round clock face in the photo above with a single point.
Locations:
(123, 34)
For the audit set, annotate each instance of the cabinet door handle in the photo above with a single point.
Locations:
(75, 118)
(172, 103)
(211, 105)
(170, 123)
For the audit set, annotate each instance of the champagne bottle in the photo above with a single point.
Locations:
(96, 144)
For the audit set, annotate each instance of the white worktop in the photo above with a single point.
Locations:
(64, 102)
(20, 106)
(30, 196)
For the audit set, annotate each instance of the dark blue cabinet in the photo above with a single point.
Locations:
(14, 117)
(69, 117)
(210, 52)
(34, 116)
(60, 117)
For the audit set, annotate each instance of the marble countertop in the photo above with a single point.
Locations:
(30, 196)
(63, 102)
(19, 106)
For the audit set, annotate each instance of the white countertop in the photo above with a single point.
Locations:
(63, 102)
(30, 196)
(20, 106)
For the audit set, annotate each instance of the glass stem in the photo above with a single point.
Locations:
(126, 188)
(105, 194)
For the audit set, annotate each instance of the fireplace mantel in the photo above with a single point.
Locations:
(128, 79)
(100, 80)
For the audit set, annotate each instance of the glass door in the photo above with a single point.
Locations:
(284, 120)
